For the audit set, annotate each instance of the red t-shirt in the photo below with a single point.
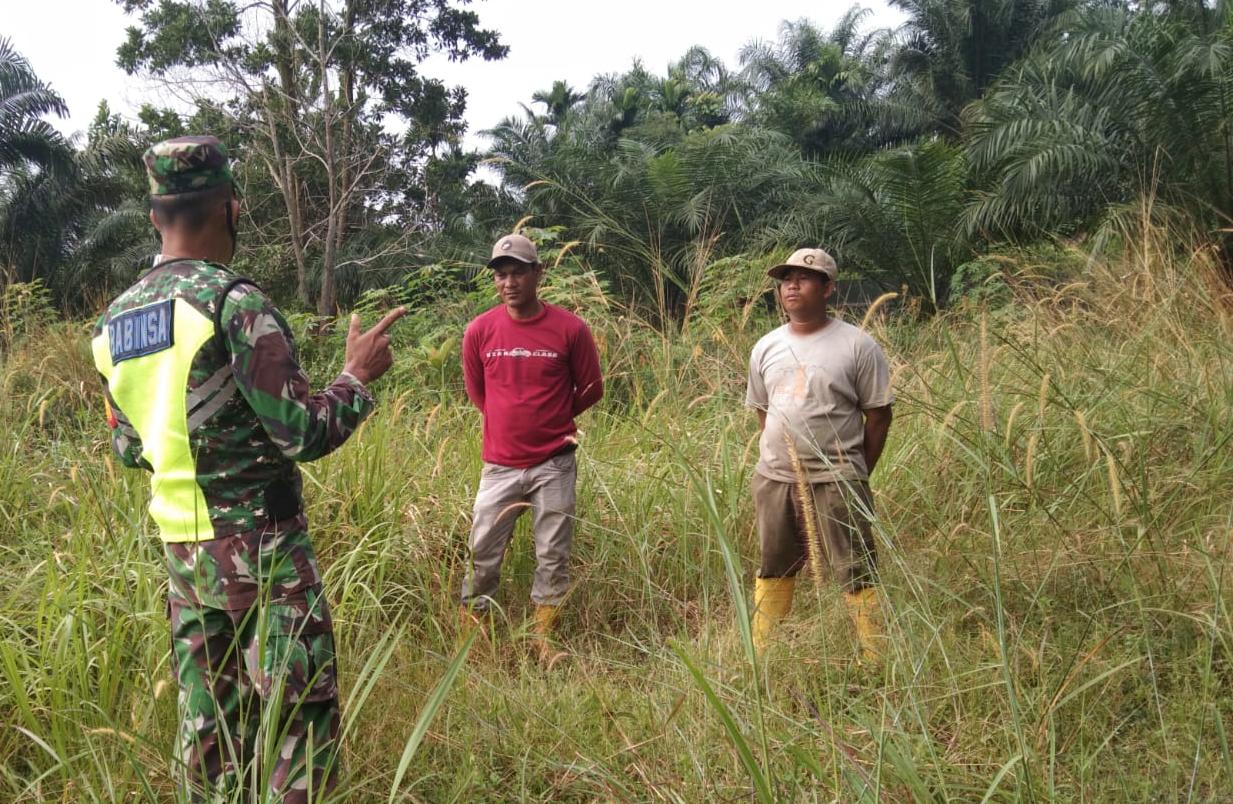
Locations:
(529, 378)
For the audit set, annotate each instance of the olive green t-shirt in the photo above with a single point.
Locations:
(814, 388)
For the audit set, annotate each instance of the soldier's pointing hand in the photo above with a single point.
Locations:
(368, 354)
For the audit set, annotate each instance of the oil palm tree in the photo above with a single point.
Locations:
(26, 140)
(891, 216)
(948, 52)
(79, 228)
(560, 101)
(1130, 103)
(813, 85)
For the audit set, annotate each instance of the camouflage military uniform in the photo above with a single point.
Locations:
(252, 642)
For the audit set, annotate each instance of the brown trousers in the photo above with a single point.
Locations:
(844, 513)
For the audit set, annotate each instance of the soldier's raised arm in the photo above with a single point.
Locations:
(304, 425)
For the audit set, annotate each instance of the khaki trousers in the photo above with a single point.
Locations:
(844, 512)
(504, 493)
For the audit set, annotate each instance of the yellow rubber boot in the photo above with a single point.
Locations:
(541, 634)
(772, 602)
(866, 613)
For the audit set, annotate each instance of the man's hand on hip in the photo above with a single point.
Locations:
(368, 353)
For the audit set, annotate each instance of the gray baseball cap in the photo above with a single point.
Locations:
(514, 247)
(811, 259)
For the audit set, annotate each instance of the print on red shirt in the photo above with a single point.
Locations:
(530, 378)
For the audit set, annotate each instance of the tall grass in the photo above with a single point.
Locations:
(1054, 536)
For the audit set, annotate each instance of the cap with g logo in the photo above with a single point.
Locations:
(514, 247)
(811, 259)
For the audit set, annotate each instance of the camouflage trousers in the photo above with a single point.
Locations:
(258, 698)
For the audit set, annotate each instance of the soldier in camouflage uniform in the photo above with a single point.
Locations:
(203, 390)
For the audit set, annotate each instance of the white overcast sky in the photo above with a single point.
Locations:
(71, 45)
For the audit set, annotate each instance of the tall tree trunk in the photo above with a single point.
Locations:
(286, 108)
(346, 90)
(282, 171)
(326, 302)
(295, 217)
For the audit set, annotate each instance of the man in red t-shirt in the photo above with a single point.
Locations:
(530, 367)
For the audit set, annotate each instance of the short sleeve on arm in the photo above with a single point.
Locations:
(873, 376)
(755, 389)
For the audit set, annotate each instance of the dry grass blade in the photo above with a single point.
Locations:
(815, 545)
(877, 305)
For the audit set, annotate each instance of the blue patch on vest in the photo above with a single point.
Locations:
(141, 332)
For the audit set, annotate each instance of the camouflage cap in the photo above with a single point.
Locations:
(186, 164)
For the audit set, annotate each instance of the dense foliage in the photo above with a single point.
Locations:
(909, 152)
(1054, 534)
(1050, 180)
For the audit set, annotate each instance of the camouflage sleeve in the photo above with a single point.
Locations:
(304, 425)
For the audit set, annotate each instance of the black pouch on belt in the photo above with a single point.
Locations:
(281, 500)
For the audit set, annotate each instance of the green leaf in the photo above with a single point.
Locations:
(431, 706)
(762, 789)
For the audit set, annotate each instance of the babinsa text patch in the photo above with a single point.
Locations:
(139, 332)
